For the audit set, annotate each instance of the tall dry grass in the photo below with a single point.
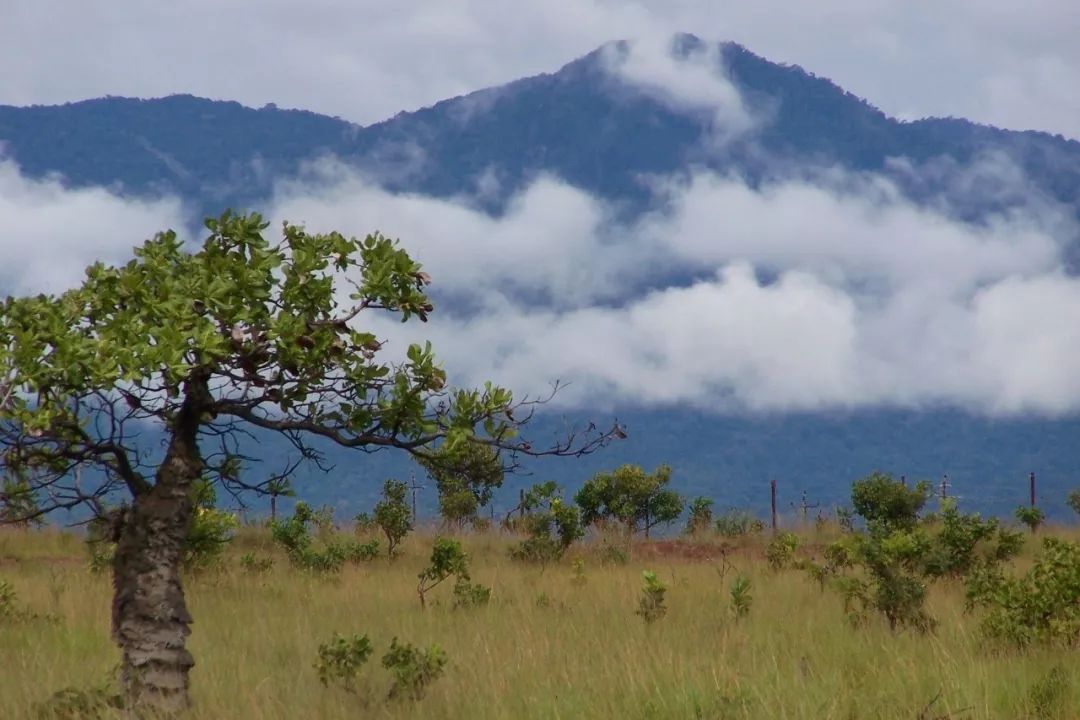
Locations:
(544, 647)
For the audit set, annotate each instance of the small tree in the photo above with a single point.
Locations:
(392, 514)
(447, 559)
(630, 496)
(466, 477)
(205, 344)
(1031, 516)
(881, 499)
(1073, 500)
(552, 525)
(701, 516)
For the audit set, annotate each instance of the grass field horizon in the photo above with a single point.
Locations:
(548, 645)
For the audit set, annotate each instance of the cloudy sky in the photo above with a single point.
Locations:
(1012, 64)
(869, 300)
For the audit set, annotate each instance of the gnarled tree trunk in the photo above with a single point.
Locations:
(150, 616)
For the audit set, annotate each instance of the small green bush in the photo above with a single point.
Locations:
(780, 552)
(738, 523)
(701, 516)
(392, 514)
(651, 606)
(447, 559)
(413, 669)
(341, 660)
(254, 564)
(1033, 517)
(469, 594)
(1042, 606)
(741, 598)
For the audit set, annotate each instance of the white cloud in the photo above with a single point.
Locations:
(873, 301)
(832, 291)
(51, 233)
(694, 81)
(1010, 64)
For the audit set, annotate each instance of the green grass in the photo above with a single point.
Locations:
(583, 654)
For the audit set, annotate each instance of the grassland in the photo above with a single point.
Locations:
(545, 647)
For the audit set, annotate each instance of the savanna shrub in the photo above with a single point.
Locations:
(737, 523)
(1048, 696)
(468, 594)
(392, 514)
(701, 516)
(1073, 500)
(780, 552)
(341, 660)
(254, 564)
(964, 540)
(1033, 517)
(1042, 606)
(741, 599)
(72, 703)
(447, 559)
(413, 669)
(651, 606)
(551, 524)
(881, 499)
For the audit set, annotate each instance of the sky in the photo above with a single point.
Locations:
(1010, 64)
(826, 291)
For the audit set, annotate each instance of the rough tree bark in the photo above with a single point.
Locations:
(150, 617)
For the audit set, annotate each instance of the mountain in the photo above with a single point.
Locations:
(581, 124)
(601, 134)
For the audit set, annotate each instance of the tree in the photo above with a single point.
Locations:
(631, 496)
(466, 478)
(392, 514)
(551, 524)
(879, 498)
(208, 344)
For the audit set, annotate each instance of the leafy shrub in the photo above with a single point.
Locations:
(630, 496)
(357, 552)
(392, 514)
(651, 605)
(701, 516)
(466, 475)
(780, 553)
(293, 534)
(211, 531)
(740, 596)
(253, 564)
(363, 523)
(1073, 500)
(1047, 696)
(738, 523)
(341, 660)
(551, 524)
(1042, 606)
(413, 669)
(447, 559)
(578, 578)
(613, 555)
(955, 549)
(469, 594)
(881, 499)
(1033, 517)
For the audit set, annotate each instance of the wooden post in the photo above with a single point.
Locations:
(903, 480)
(273, 507)
(944, 486)
(1031, 479)
(414, 486)
(772, 498)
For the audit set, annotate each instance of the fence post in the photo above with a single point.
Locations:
(1031, 478)
(772, 499)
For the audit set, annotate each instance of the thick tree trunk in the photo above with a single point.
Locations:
(150, 616)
